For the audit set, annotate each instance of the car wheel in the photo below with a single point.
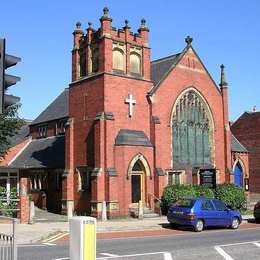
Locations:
(257, 220)
(235, 223)
(173, 225)
(199, 225)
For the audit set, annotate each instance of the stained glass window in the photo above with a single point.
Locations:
(192, 132)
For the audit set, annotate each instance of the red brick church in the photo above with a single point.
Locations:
(127, 126)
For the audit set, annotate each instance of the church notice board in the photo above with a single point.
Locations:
(208, 178)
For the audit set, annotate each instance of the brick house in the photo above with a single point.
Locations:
(246, 130)
(127, 126)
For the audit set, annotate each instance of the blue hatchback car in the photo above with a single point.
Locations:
(203, 212)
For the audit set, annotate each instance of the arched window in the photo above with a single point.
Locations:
(118, 59)
(135, 63)
(95, 60)
(82, 63)
(192, 132)
(138, 166)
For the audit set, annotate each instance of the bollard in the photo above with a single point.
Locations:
(82, 238)
(32, 212)
(104, 211)
(140, 210)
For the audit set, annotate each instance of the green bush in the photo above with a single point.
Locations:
(202, 191)
(172, 193)
(232, 195)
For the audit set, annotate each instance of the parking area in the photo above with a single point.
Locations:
(245, 250)
(237, 251)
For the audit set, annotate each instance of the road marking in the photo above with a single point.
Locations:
(257, 244)
(107, 254)
(58, 237)
(31, 245)
(124, 256)
(241, 243)
(65, 258)
(49, 244)
(51, 238)
(167, 256)
(223, 253)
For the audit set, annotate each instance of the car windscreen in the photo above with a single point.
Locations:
(185, 203)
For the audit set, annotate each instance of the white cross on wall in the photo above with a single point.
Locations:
(131, 102)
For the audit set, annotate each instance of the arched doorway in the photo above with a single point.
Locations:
(238, 174)
(138, 171)
(137, 183)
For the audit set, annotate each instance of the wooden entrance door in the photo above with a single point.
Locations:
(137, 187)
(137, 178)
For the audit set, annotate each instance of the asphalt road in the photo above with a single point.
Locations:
(213, 244)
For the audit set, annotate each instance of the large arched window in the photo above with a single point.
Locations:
(118, 59)
(135, 63)
(192, 132)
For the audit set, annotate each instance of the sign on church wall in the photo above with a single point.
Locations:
(208, 178)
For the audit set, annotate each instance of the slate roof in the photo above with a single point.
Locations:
(42, 153)
(161, 66)
(236, 146)
(59, 108)
(132, 137)
(22, 134)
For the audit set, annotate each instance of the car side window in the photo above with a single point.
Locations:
(207, 205)
(219, 205)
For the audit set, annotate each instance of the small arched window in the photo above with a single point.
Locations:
(135, 63)
(118, 59)
(95, 61)
(82, 63)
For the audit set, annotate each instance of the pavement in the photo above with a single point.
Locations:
(52, 231)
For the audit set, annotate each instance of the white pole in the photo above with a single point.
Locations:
(82, 238)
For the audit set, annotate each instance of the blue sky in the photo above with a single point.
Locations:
(224, 31)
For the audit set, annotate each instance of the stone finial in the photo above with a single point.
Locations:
(188, 40)
(223, 81)
(106, 11)
(143, 23)
(143, 26)
(105, 15)
(90, 26)
(127, 25)
(78, 25)
(254, 108)
(78, 28)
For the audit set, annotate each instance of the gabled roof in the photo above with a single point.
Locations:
(59, 108)
(42, 153)
(162, 67)
(236, 146)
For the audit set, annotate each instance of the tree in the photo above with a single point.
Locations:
(10, 123)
